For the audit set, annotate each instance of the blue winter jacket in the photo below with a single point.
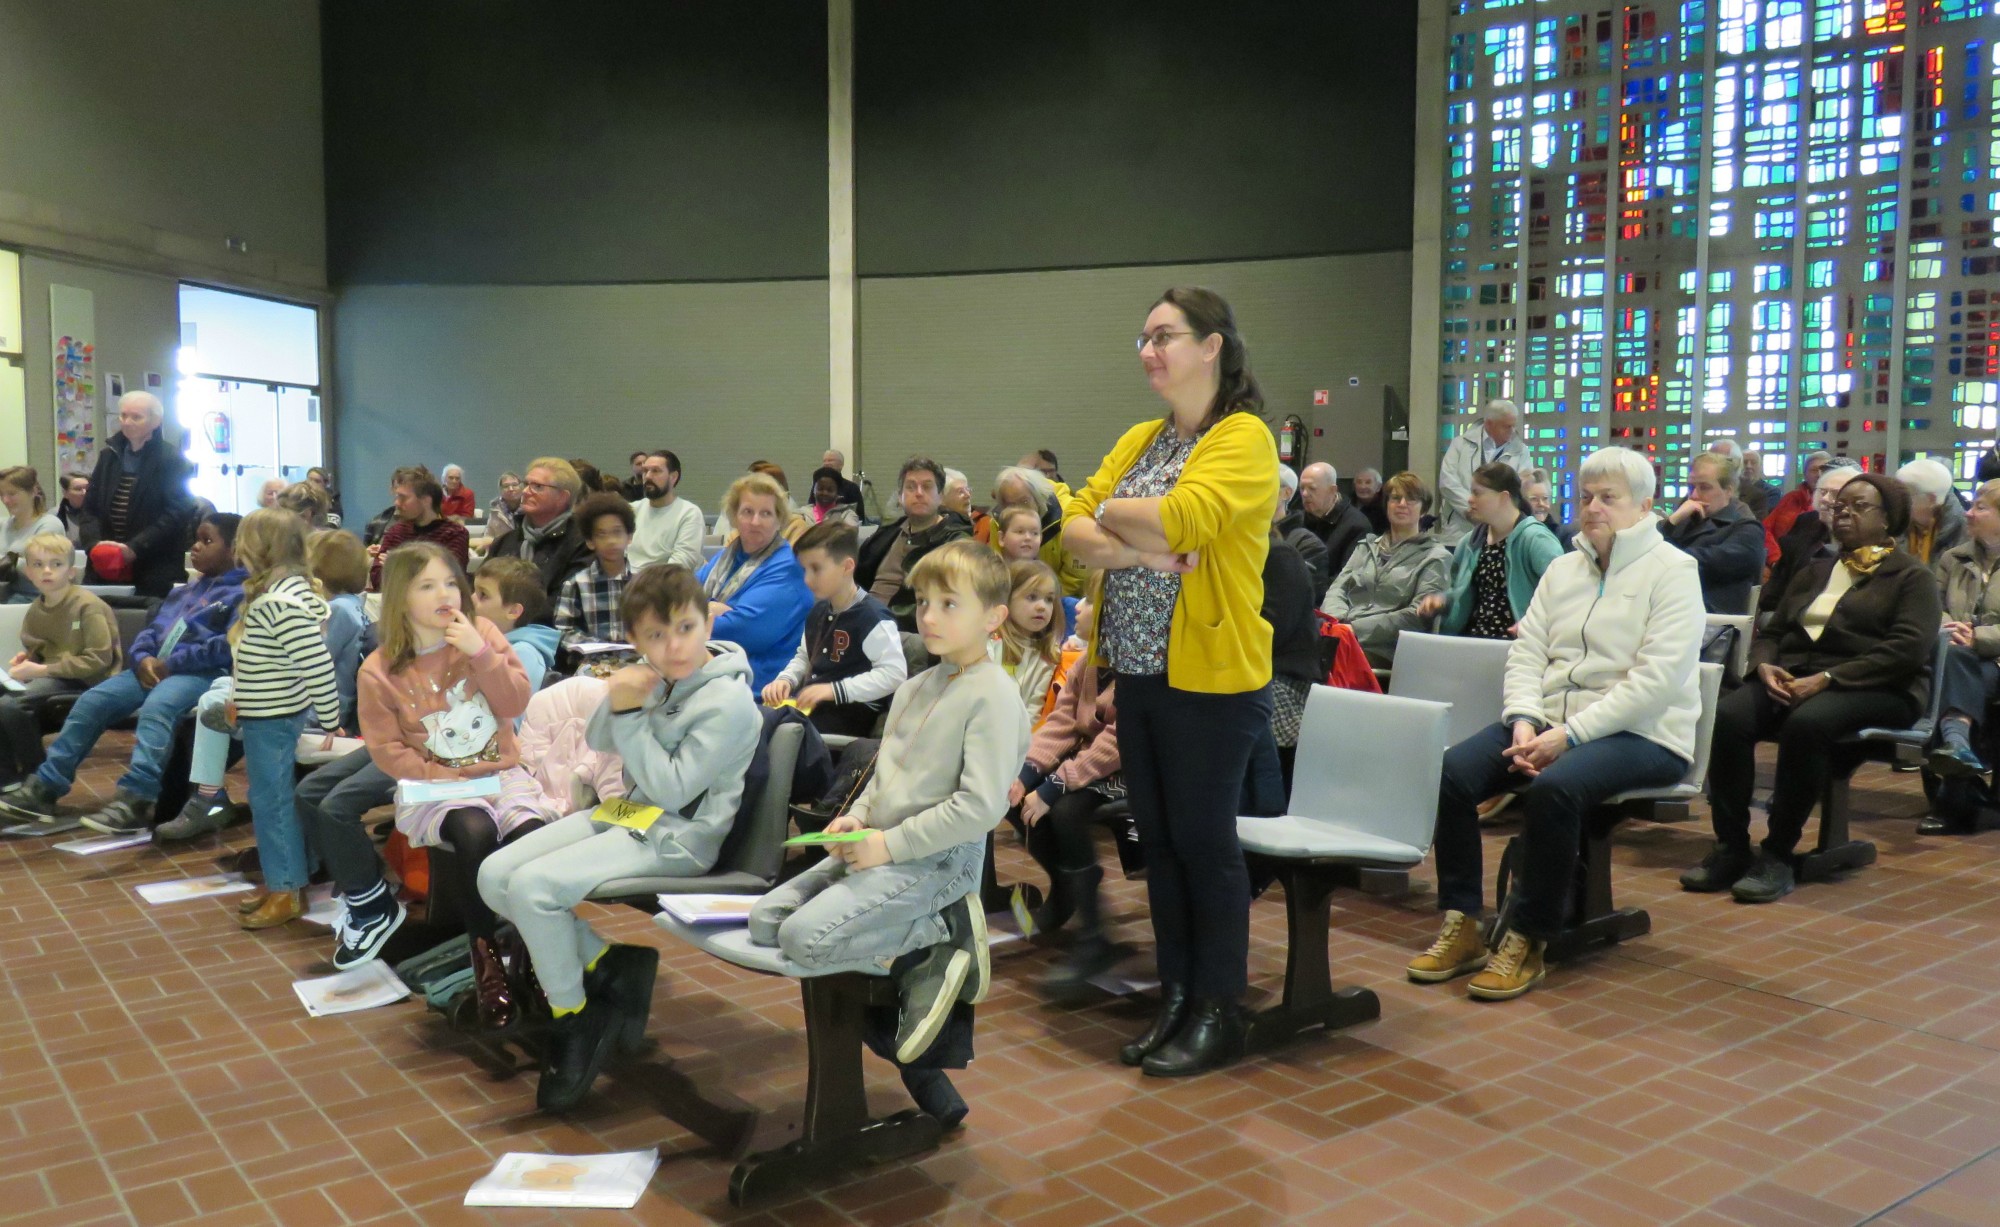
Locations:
(767, 615)
(208, 606)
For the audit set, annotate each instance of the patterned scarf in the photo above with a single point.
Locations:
(724, 582)
(1862, 560)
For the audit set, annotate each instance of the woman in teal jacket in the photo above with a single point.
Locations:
(1496, 567)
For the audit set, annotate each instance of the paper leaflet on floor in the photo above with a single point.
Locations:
(103, 843)
(364, 988)
(175, 890)
(610, 1182)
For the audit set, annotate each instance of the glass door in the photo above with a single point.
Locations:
(249, 393)
(13, 374)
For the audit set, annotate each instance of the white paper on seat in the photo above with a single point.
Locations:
(709, 909)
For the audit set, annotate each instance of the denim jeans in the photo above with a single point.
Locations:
(331, 802)
(831, 916)
(270, 747)
(110, 701)
(1553, 804)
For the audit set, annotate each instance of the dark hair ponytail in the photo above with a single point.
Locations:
(1209, 315)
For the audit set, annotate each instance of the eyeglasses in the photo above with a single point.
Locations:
(1158, 340)
(542, 486)
(1411, 499)
(1855, 506)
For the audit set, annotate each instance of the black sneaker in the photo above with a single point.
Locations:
(623, 979)
(582, 1042)
(29, 801)
(125, 815)
(197, 818)
(929, 990)
(1718, 870)
(1770, 878)
(362, 936)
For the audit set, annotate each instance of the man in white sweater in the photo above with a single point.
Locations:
(667, 528)
(1601, 697)
(1491, 441)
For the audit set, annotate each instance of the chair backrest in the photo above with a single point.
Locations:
(1704, 731)
(1745, 626)
(756, 841)
(11, 617)
(1371, 762)
(1466, 673)
(130, 622)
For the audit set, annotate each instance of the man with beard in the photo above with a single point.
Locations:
(669, 528)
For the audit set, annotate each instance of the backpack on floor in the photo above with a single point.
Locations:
(442, 974)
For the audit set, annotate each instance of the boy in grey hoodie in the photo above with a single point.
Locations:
(685, 745)
(955, 740)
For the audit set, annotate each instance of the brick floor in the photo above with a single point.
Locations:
(1831, 1059)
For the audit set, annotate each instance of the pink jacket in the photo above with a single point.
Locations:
(1078, 743)
(552, 746)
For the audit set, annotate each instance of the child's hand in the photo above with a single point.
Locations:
(843, 824)
(464, 636)
(630, 686)
(1033, 808)
(1015, 792)
(866, 853)
(813, 696)
(20, 658)
(149, 672)
(25, 670)
(777, 692)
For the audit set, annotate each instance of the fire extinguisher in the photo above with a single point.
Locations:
(1292, 441)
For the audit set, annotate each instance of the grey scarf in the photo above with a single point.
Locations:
(532, 536)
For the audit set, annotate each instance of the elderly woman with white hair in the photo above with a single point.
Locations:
(1600, 697)
(1492, 441)
(1937, 522)
(1020, 486)
(957, 501)
(139, 494)
(459, 502)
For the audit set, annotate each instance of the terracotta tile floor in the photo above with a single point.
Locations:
(1832, 1059)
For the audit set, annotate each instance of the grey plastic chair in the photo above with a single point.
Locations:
(1364, 796)
(1467, 673)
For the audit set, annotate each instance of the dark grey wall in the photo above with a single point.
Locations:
(1053, 133)
(512, 141)
(518, 141)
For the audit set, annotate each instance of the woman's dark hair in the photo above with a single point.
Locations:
(1895, 499)
(1501, 478)
(588, 473)
(820, 475)
(1208, 314)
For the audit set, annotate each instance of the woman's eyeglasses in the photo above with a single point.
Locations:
(1158, 340)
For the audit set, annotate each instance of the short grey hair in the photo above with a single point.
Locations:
(1822, 455)
(1368, 472)
(1628, 466)
(1842, 462)
(1726, 447)
(1288, 480)
(1926, 476)
(452, 468)
(834, 451)
(1728, 469)
(147, 401)
(1040, 488)
(952, 475)
(1500, 409)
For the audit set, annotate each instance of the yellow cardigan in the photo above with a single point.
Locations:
(1219, 642)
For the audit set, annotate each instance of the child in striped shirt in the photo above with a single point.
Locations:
(282, 668)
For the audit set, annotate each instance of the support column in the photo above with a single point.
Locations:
(843, 304)
(1427, 239)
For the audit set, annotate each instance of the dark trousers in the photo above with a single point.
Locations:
(473, 837)
(1064, 841)
(846, 719)
(1554, 805)
(1967, 685)
(1184, 756)
(21, 724)
(1805, 733)
(330, 804)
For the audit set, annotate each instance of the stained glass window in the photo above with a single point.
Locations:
(1671, 222)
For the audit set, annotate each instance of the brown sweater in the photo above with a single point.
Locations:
(446, 716)
(76, 637)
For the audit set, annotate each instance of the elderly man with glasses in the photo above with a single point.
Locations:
(545, 534)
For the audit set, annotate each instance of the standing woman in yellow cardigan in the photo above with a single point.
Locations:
(1179, 516)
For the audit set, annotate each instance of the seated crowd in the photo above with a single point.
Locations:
(586, 674)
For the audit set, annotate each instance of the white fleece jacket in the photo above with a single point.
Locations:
(1613, 652)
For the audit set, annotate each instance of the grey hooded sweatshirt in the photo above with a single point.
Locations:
(686, 750)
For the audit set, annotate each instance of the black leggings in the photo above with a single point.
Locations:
(1063, 841)
(473, 838)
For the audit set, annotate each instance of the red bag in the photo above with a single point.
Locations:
(1347, 665)
(412, 866)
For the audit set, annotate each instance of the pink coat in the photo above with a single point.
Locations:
(553, 749)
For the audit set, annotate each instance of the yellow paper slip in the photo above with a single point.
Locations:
(621, 813)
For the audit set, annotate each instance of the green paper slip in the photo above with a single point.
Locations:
(821, 837)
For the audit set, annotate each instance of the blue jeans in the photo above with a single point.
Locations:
(270, 747)
(104, 705)
(1553, 804)
(831, 915)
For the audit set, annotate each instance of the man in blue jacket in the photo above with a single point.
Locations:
(174, 660)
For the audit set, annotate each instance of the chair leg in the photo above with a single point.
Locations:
(837, 1133)
(1594, 920)
(1310, 999)
(1836, 852)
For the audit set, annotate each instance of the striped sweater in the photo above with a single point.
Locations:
(282, 665)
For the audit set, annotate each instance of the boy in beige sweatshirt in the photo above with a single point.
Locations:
(69, 643)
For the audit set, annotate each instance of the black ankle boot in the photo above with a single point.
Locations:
(1214, 1036)
(578, 1047)
(1173, 1012)
(1094, 954)
(1058, 907)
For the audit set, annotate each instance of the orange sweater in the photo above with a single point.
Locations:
(447, 715)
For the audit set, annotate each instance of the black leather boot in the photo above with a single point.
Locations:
(624, 980)
(1173, 1013)
(578, 1047)
(1094, 954)
(1214, 1036)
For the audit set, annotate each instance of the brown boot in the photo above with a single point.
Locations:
(279, 907)
(529, 999)
(251, 902)
(497, 1011)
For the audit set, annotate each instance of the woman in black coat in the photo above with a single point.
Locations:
(139, 497)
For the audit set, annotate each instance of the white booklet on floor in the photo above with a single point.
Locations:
(605, 1182)
(104, 843)
(709, 909)
(176, 890)
(364, 988)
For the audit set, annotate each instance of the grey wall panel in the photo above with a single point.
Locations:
(489, 377)
(977, 370)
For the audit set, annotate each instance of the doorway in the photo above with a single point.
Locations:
(248, 394)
